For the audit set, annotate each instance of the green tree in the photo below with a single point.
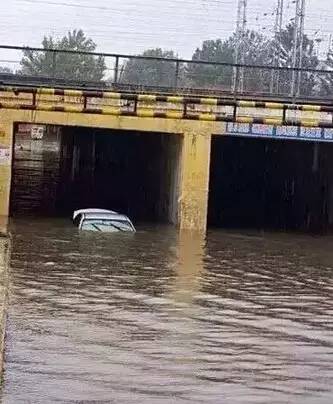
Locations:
(203, 75)
(283, 48)
(255, 49)
(325, 80)
(152, 72)
(5, 70)
(65, 65)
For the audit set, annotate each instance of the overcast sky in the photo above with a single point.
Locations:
(130, 26)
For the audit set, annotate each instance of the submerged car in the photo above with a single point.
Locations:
(102, 220)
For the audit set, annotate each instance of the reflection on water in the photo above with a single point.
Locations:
(160, 318)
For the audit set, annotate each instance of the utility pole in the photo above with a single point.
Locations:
(301, 42)
(276, 50)
(238, 76)
(243, 33)
(295, 46)
(297, 60)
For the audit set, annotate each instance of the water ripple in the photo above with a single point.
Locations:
(162, 318)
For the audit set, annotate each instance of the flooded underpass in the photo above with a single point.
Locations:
(239, 316)
(157, 317)
(68, 168)
(271, 184)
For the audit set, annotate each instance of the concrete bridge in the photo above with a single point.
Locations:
(187, 124)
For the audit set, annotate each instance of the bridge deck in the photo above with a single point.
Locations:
(222, 108)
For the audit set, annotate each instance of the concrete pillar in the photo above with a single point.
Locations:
(194, 181)
(6, 153)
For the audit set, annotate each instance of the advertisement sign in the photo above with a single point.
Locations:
(280, 132)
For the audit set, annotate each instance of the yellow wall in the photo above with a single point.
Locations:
(194, 161)
(195, 180)
(6, 144)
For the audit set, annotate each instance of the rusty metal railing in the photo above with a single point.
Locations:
(168, 74)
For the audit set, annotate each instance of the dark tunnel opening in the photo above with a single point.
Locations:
(271, 184)
(135, 173)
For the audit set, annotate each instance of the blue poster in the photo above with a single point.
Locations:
(280, 132)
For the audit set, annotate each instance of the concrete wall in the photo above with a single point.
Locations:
(170, 168)
(6, 153)
(35, 174)
(195, 180)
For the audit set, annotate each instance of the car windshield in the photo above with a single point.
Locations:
(106, 225)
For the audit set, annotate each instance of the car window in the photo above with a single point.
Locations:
(106, 225)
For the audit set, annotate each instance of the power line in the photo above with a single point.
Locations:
(103, 8)
(167, 35)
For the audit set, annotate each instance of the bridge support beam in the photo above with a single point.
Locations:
(194, 187)
(6, 145)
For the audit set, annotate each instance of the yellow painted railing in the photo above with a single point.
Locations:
(163, 106)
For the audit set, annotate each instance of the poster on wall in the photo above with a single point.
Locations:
(37, 132)
(281, 132)
(4, 155)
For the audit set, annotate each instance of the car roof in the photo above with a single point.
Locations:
(91, 210)
(101, 215)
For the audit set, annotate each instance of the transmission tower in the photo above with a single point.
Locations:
(276, 49)
(297, 60)
(238, 77)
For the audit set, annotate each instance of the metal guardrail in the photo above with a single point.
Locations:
(161, 106)
(175, 75)
(19, 81)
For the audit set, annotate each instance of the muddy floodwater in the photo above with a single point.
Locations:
(155, 317)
